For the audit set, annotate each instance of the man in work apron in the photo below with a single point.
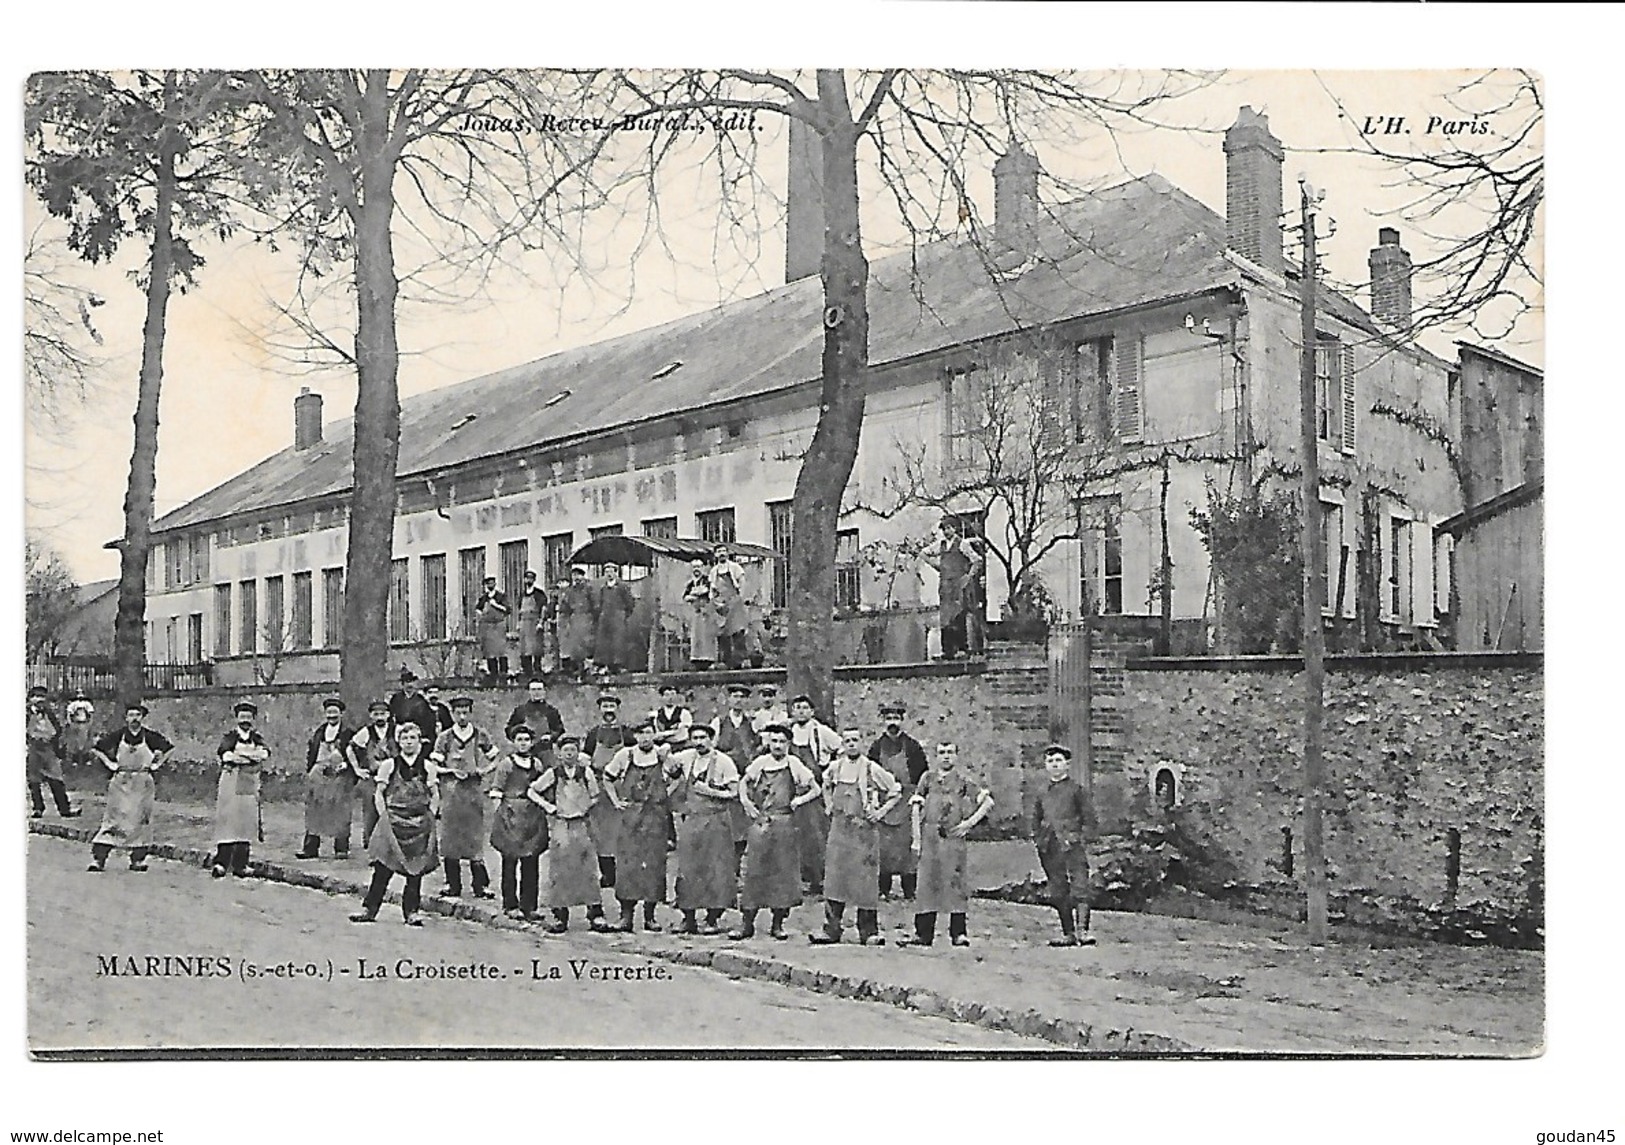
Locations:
(44, 760)
(604, 743)
(369, 748)
(237, 796)
(858, 793)
(566, 791)
(738, 739)
(775, 785)
(705, 833)
(815, 745)
(519, 825)
(132, 754)
(461, 763)
(404, 841)
(638, 781)
(329, 785)
(903, 756)
(948, 803)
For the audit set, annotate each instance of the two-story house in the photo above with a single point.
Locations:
(1166, 340)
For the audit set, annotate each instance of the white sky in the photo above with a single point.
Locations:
(227, 400)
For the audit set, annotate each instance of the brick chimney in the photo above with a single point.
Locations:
(307, 419)
(804, 204)
(1252, 190)
(1390, 267)
(1015, 201)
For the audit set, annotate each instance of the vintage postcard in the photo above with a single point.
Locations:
(731, 563)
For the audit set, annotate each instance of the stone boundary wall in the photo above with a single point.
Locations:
(1434, 806)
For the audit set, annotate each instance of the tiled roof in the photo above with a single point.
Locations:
(1127, 245)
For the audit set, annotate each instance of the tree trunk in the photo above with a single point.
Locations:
(828, 462)
(364, 658)
(129, 624)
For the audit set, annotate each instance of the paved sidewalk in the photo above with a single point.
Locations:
(1154, 984)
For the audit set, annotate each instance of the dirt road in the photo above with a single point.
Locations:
(98, 978)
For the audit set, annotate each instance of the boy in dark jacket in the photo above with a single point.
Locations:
(1062, 824)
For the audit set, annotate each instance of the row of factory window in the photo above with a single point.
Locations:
(279, 613)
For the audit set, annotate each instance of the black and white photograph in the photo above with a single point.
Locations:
(720, 565)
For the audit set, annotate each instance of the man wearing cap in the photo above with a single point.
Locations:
(408, 706)
(459, 767)
(904, 757)
(132, 754)
(672, 721)
(535, 713)
(738, 739)
(601, 745)
(858, 793)
(237, 798)
(566, 791)
(816, 745)
(329, 784)
(518, 824)
(578, 621)
(773, 788)
(368, 749)
(1063, 823)
(442, 712)
(532, 615)
(771, 711)
(639, 783)
(491, 610)
(706, 861)
(44, 759)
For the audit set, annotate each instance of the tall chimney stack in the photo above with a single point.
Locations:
(1015, 201)
(307, 419)
(1252, 190)
(804, 204)
(1390, 267)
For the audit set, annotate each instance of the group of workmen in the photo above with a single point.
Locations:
(760, 808)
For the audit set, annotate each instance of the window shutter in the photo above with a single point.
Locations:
(1422, 608)
(1127, 390)
(1052, 428)
(1348, 399)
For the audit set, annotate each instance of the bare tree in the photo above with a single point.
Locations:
(1014, 457)
(1475, 173)
(148, 156)
(52, 596)
(919, 132)
(60, 337)
(434, 163)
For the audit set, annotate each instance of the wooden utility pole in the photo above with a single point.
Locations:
(1314, 591)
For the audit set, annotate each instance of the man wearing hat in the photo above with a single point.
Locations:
(44, 759)
(460, 765)
(237, 798)
(491, 610)
(578, 621)
(329, 784)
(904, 757)
(535, 713)
(612, 637)
(408, 706)
(368, 749)
(132, 754)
